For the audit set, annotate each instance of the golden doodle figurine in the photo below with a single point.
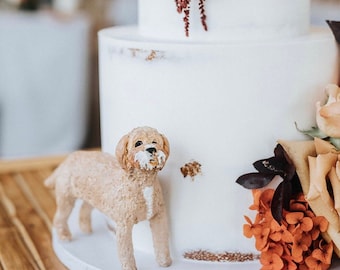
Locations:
(125, 188)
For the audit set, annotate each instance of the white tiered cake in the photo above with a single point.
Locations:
(222, 97)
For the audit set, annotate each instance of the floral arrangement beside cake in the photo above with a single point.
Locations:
(297, 226)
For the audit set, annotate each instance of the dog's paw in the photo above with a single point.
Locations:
(128, 267)
(164, 261)
(64, 234)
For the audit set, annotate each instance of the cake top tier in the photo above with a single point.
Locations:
(226, 20)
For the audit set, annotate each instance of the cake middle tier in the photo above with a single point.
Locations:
(222, 105)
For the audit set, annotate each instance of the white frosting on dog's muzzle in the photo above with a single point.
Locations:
(147, 161)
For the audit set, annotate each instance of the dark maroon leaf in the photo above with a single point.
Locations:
(330, 188)
(255, 180)
(277, 203)
(279, 152)
(290, 171)
(271, 165)
(335, 27)
(287, 194)
(281, 200)
(296, 185)
(267, 169)
(289, 168)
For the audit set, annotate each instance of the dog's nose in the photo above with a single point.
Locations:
(151, 150)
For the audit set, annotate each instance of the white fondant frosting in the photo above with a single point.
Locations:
(222, 104)
(226, 19)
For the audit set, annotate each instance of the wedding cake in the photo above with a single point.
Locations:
(223, 79)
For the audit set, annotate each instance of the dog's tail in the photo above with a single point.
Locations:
(50, 181)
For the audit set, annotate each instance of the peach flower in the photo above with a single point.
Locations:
(328, 115)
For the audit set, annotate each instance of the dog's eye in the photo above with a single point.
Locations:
(154, 142)
(138, 143)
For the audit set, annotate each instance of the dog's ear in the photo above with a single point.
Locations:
(121, 151)
(166, 146)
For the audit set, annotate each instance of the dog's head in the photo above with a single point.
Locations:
(143, 148)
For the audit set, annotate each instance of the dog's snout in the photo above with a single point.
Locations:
(151, 150)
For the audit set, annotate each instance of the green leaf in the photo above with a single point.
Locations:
(335, 142)
(313, 132)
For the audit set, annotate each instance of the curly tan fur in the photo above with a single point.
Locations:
(125, 188)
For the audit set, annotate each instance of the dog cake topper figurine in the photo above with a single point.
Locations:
(125, 188)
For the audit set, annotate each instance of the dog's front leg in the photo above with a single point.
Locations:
(125, 245)
(160, 236)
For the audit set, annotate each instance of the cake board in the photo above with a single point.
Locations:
(98, 251)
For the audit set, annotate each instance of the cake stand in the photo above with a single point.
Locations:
(98, 251)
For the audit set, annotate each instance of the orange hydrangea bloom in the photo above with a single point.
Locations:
(320, 259)
(289, 263)
(280, 233)
(256, 195)
(301, 244)
(251, 229)
(266, 199)
(324, 253)
(320, 224)
(296, 243)
(274, 248)
(271, 261)
(261, 240)
(299, 219)
(298, 206)
(303, 267)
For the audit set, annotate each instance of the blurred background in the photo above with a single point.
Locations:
(49, 89)
(49, 101)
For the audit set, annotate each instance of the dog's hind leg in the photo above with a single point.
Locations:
(85, 217)
(64, 209)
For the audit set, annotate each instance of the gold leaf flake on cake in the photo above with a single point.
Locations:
(208, 256)
(137, 53)
(147, 55)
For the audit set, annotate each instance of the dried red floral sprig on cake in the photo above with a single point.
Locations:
(183, 6)
(201, 6)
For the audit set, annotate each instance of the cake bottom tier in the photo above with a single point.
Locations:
(221, 105)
